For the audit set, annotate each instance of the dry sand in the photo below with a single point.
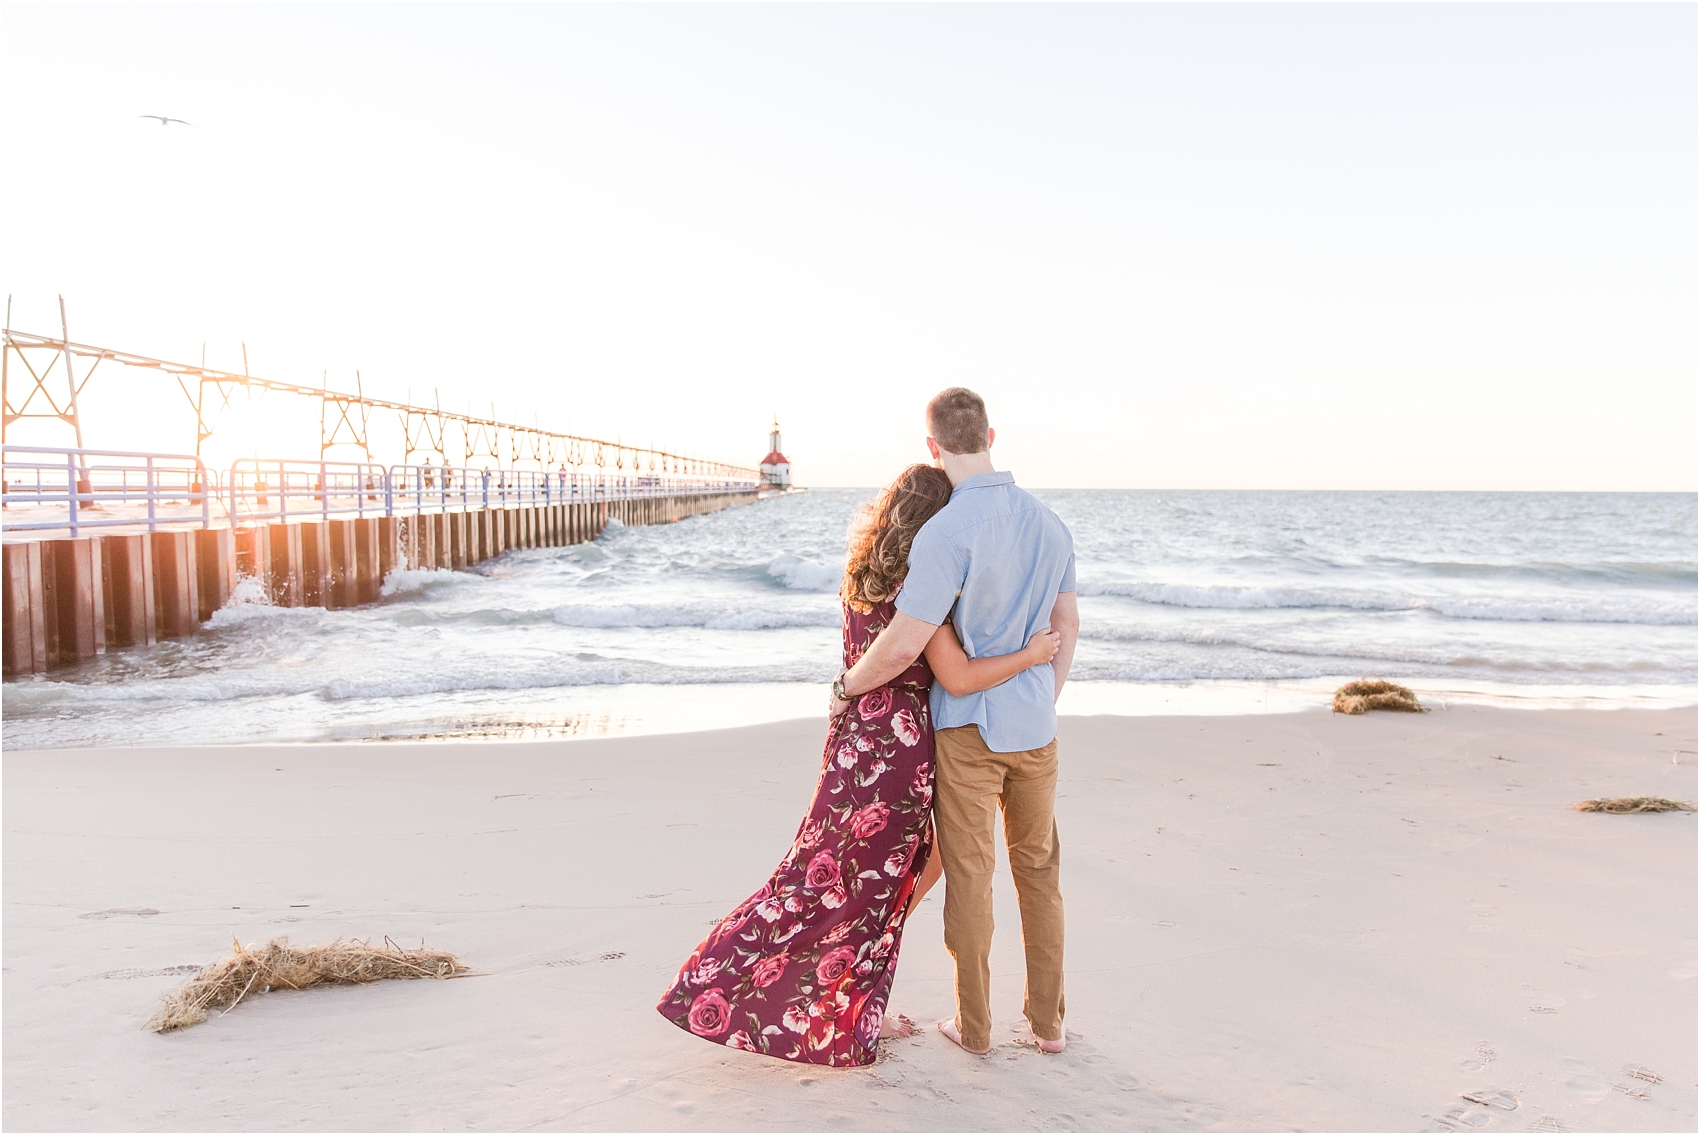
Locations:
(1294, 921)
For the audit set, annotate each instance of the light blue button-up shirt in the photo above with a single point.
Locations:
(998, 557)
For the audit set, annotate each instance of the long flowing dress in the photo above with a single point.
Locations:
(802, 969)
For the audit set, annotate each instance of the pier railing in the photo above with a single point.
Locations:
(256, 489)
(57, 489)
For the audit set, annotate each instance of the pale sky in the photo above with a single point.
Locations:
(1210, 246)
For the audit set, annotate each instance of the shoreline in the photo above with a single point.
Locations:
(1282, 920)
(636, 709)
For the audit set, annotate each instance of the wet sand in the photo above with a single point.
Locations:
(1286, 921)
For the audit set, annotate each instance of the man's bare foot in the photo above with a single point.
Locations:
(896, 1027)
(948, 1028)
(1052, 1046)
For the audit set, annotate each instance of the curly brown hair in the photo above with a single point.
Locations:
(884, 530)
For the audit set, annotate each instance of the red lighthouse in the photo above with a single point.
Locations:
(775, 467)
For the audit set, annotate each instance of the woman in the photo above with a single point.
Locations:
(802, 969)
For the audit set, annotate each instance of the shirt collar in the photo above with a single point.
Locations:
(985, 481)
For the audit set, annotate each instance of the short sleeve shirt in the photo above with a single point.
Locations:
(993, 561)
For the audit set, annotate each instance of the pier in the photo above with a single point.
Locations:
(106, 549)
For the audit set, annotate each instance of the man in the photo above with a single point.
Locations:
(1000, 565)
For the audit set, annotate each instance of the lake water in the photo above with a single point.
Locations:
(1190, 602)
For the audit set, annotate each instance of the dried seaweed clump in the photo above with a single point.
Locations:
(278, 965)
(1363, 695)
(1625, 805)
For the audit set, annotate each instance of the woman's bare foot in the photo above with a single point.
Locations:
(896, 1027)
(948, 1028)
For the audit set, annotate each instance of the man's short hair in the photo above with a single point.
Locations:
(956, 419)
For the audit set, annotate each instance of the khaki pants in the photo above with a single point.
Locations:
(973, 782)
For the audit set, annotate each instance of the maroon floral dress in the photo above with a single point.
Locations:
(802, 968)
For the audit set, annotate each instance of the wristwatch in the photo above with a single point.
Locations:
(838, 689)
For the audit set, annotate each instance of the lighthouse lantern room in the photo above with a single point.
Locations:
(775, 467)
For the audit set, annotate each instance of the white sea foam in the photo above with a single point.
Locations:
(406, 581)
(1649, 611)
(350, 686)
(805, 575)
(1652, 613)
(710, 616)
(249, 591)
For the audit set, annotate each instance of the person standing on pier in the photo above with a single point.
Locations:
(803, 968)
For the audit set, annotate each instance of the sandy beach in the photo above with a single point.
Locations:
(1295, 921)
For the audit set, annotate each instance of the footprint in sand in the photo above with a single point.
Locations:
(1462, 1119)
(1493, 1097)
(121, 912)
(1483, 1057)
(1584, 1082)
(1480, 1106)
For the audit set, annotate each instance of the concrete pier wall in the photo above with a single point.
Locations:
(69, 600)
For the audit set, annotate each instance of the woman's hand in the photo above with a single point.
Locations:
(1042, 647)
(836, 705)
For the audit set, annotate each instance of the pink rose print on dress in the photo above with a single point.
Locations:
(903, 724)
(795, 1019)
(847, 755)
(822, 872)
(768, 970)
(922, 786)
(769, 910)
(833, 898)
(868, 1028)
(705, 972)
(869, 819)
(898, 863)
(834, 965)
(710, 1014)
(824, 1025)
(874, 704)
(836, 935)
(741, 1039)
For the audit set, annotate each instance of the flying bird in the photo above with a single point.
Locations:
(164, 121)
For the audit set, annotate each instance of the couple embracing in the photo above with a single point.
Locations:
(959, 626)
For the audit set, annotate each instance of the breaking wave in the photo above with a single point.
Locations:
(1227, 597)
(805, 575)
(707, 615)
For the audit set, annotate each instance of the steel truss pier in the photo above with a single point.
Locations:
(108, 549)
